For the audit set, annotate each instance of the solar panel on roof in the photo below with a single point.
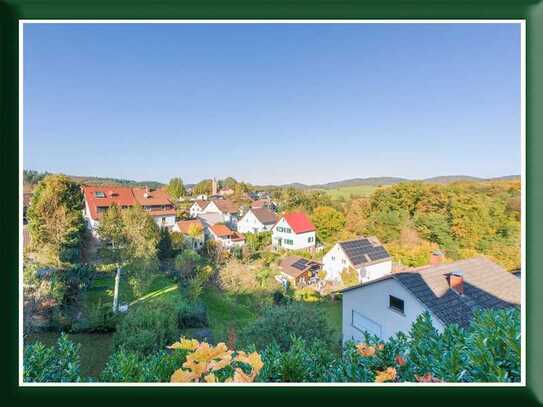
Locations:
(300, 264)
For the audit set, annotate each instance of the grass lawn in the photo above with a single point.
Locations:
(227, 311)
(332, 310)
(103, 285)
(95, 349)
(237, 311)
(346, 192)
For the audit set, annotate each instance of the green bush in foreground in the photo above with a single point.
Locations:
(59, 363)
(487, 351)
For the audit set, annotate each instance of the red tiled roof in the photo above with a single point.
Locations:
(201, 203)
(224, 231)
(299, 222)
(155, 197)
(121, 196)
(184, 225)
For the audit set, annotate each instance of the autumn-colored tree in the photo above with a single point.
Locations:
(55, 220)
(349, 277)
(328, 222)
(203, 187)
(176, 188)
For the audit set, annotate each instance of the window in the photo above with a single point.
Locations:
(395, 304)
(288, 241)
(343, 261)
(279, 228)
(99, 194)
(310, 239)
(287, 230)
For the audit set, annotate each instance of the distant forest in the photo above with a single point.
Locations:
(31, 178)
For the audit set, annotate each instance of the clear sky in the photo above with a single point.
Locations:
(272, 103)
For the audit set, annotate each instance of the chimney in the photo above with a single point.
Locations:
(456, 281)
(146, 194)
(436, 258)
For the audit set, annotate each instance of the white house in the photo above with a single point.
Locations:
(228, 209)
(450, 293)
(155, 202)
(257, 220)
(226, 237)
(366, 255)
(197, 207)
(188, 229)
(294, 231)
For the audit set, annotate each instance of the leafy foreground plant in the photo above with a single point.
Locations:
(214, 364)
(487, 351)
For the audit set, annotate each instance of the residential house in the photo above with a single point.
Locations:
(229, 210)
(450, 293)
(257, 220)
(99, 198)
(198, 207)
(158, 204)
(225, 236)
(263, 203)
(299, 271)
(365, 255)
(294, 231)
(187, 228)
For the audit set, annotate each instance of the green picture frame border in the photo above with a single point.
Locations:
(531, 11)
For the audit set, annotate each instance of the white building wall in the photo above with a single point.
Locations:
(334, 262)
(299, 240)
(249, 223)
(371, 305)
(91, 223)
(194, 210)
(373, 271)
(169, 221)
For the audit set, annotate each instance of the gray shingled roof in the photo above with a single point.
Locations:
(486, 285)
(264, 215)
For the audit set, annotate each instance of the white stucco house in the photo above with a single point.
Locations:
(366, 255)
(197, 208)
(187, 228)
(450, 293)
(257, 220)
(229, 210)
(225, 236)
(294, 231)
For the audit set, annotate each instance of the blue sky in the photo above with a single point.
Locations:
(272, 103)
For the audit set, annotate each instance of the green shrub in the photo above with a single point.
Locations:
(307, 294)
(125, 367)
(58, 363)
(304, 361)
(280, 323)
(101, 318)
(192, 315)
(148, 327)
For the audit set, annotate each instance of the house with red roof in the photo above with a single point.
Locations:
(225, 236)
(294, 231)
(99, 198)
(192, 231)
